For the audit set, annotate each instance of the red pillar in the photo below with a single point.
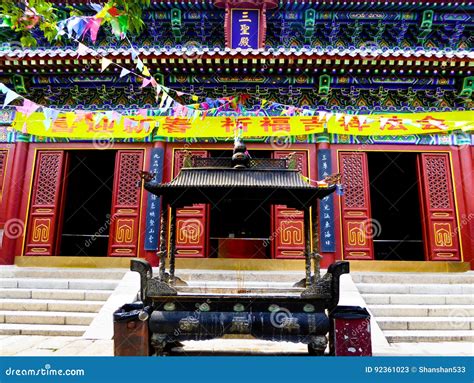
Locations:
(466, 219)
(14, 223)
(322, 142)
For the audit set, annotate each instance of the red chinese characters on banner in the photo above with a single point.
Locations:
(60, 125)
(394, 123)
(136, 126)
(353, 125)
(312, 123)
(432, 124)
(102, 126)
(276, 124)
(230, 124)
(176, 125)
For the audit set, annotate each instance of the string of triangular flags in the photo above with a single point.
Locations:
(78, 26)
(28, 107)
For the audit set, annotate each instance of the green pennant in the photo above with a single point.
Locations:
(123, 22)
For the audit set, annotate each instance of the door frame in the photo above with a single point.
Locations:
(454, 163)
(29, 179)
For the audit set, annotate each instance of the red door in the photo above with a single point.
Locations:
(288, 223)
(356, 216)
(126, 198)
(43, 218)
(192, 225)
(438, 210)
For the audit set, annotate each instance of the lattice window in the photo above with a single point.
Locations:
(179, 158)
(353, 181)
(130, 165)
(49, 166)
(438, 187)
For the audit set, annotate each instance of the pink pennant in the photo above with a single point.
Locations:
(28, 107)
(93, 26)
(146, 82)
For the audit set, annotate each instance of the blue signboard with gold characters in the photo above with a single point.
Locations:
(245, 28)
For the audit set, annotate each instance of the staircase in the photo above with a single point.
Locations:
(52, 301)
(420, 307)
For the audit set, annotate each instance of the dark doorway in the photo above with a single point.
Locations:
(253, 153)
(87, 204)
(395, 206)
(238, 230)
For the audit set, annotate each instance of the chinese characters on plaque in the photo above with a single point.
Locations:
(245, 28)
(326, 205)
(153, 202)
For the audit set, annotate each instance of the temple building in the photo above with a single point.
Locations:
(407, 200)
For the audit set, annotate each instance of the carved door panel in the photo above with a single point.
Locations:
(356, 215)
(191, 221)
(287, 223)
(440, 228)
(126, 201)
(43, 214)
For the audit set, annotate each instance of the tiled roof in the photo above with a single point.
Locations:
(194, 52)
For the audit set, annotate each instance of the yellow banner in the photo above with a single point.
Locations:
(399, 124)
(85, 125)
(104, 125)
(249, 126)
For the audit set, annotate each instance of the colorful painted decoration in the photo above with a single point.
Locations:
(186, 124)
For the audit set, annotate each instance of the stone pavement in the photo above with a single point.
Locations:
(18, 345)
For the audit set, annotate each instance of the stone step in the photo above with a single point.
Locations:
(50, 305)
(429, 323)
(394, 288)
(41, 329)
(419, 299)
(462, 311)
(61, 294)
(47, 317)
(414, 278)
(61, 273)
(237, 275)
(57, 283)
(398, 336)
